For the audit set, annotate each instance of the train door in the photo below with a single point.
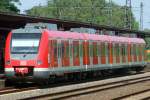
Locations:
(99, 52)
(76, 49)
(65, 53)
(126, 53)
(95, 53)
(134, 53)
(59, 52)
(91, 52)
(129, 53)
(120, 49)
(86, 60)
(110, 53)
(81, 52)
(106, 52)
(71, 51)
(53, 53)
(145, 54)
(117, 53)
(123, 53)
(140, 52)
(137, 50)
(114, 53)
(103, 53)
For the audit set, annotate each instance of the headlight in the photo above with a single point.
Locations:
(8, 62)
(39, 62)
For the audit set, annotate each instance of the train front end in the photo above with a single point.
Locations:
(23, 58)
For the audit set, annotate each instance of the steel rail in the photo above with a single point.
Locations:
(91, 89)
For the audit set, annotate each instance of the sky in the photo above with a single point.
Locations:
(27, 4)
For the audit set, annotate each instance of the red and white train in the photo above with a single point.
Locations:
(42, 54)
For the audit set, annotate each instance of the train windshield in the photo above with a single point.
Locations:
(23, 43)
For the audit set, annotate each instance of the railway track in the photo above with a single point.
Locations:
(8, 90)
(91, 89)
(140, 95)
(74, 90)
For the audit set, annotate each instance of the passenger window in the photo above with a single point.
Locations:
(103, 49)
(91, 50)
(65, 48)
(137, 50)
(117, 50)
(134, 49)
(130, 50)
(65, 53)
(55, 48)
(75, 49)
(95, 53)
(141, 51)
(81, 50)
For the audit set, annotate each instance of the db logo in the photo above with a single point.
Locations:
(23, 63)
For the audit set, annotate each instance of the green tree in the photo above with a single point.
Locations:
(9, 6)
(92, 11)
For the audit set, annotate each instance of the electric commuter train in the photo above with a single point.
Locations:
(41, 53)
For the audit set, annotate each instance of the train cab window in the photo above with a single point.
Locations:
(65, 52)
(22, 43)
(95, 53)
(76, 60)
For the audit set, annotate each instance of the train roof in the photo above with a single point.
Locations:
(85, 36)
